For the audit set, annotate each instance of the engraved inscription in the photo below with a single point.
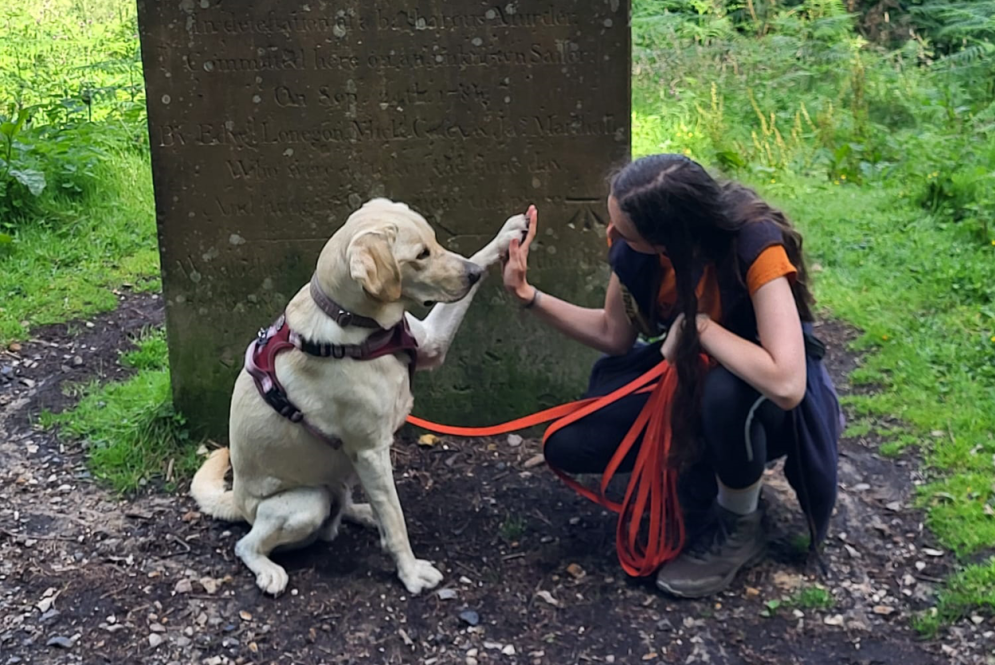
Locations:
(271, 121)
(252, 134)
(312, 23)
(421, 57)
(495, 16)
(294, 22)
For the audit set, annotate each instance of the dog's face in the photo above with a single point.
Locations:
(394, 255)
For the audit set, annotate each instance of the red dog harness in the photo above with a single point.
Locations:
(260, 357)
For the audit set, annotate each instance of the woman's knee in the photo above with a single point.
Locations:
(579, 449)
(557, 450)
(725, 396)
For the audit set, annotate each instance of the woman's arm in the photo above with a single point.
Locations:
(608, 329)
(775, 367)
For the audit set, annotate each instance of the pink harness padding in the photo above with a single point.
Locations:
(260, 362)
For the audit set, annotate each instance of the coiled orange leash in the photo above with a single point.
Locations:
(652, 484)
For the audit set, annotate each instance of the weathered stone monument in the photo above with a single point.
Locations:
(270, 121)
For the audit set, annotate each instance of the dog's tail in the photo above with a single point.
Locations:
(208, 488)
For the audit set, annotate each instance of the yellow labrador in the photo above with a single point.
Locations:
(292, 486)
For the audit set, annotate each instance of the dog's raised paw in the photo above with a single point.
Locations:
(272, 579)
(515, 227)
(420, 576)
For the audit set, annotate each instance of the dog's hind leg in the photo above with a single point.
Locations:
(361, 514)
(343, 509)
(329, 530)
(288, 519)
(358, 513)
(341, 498)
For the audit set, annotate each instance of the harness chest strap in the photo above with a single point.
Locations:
(260, 362)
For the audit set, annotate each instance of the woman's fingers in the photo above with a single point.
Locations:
(533, 216)
(669, 345)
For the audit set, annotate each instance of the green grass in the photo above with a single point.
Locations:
(812, 598)
(923, 295)
(71, 99)
(66, 264)
(150, 353)
(806, 598)
(133, 434)
(70, 70)
(966, 592)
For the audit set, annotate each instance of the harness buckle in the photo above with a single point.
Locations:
(274, 396)
(345, 318)
(279, 401)
(266, 334)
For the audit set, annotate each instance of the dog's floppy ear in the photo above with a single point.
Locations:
(372, 264)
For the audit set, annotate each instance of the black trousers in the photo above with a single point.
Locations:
(742, 430)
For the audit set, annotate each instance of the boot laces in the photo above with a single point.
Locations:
(712, 538)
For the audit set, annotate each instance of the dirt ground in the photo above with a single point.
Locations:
(86, 577)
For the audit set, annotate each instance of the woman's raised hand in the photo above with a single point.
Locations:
(517, 263)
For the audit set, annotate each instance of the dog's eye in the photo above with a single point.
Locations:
(425, 253)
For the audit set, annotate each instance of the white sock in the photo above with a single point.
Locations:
(743, 501)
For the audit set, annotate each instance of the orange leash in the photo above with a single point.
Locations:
(652, 484)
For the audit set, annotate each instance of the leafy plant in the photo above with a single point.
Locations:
(70, 73)
(16, 178)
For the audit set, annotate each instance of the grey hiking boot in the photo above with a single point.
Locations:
(710, 561)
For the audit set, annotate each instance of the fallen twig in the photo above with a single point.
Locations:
(27, 536)
(181, 542)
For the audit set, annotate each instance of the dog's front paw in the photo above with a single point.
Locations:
(516, 227)
(272, 579)
(420, 576)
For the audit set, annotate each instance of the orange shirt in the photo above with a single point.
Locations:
(772, 263)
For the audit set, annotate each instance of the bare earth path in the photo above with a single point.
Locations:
(85, 577)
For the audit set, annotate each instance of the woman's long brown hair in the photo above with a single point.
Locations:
(674, 203)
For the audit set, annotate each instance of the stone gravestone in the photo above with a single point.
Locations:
(270, 121)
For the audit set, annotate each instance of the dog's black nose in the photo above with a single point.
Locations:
(474, 273)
